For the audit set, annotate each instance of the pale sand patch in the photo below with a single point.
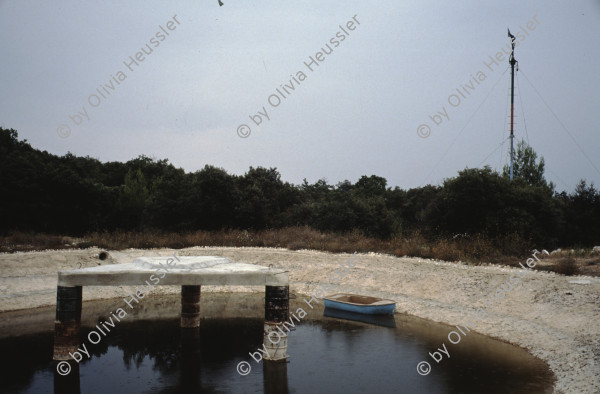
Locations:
(555, 320)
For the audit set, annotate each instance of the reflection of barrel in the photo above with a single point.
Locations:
(69, 383)
(190, 306)
(191, 360)
(68, 303)
(68, 321)
(66, 339)
(277, 300)
(275, 380)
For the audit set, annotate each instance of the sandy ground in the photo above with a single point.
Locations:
(556, 318)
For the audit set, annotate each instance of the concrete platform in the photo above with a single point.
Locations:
(190, 272)
(184, 270)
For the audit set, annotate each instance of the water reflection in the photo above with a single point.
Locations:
(378, 320)
(69, 383)
(328, 354)
(275, 379)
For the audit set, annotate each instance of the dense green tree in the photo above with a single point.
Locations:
(73, 195)
(132, 200)
(482, 201)
(526, 166)
(266, 200)
(166, 208)
(582, 215)
(370, 186)
(214, 199)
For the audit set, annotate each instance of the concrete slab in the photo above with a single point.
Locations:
(177, 270)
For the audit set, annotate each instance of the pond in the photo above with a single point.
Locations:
(149, 353)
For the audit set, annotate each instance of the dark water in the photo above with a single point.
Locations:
(327, 355)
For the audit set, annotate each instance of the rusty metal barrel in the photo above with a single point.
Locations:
(275, 342)
(277, 300)
(68, 321)
(190, 306)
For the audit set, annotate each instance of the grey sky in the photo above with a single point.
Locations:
(356, 114)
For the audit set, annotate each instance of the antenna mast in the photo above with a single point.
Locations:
(512, 62)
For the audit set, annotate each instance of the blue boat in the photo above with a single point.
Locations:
(360, 304)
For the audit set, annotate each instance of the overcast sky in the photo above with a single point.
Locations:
(356, 113)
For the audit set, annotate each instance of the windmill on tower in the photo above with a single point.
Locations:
(512, 62)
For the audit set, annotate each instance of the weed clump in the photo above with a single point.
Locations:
(567, 266)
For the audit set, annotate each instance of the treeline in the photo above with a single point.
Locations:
(41, 192)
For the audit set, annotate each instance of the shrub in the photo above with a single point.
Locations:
(567, 266)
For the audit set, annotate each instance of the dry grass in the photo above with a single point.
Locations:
(473, 249)
(18, 241)
(572, 262)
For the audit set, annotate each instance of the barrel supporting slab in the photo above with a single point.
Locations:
(277, 306)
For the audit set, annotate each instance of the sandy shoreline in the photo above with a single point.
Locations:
(554, 319)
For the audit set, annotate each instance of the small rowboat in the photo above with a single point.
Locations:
(360, 304)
